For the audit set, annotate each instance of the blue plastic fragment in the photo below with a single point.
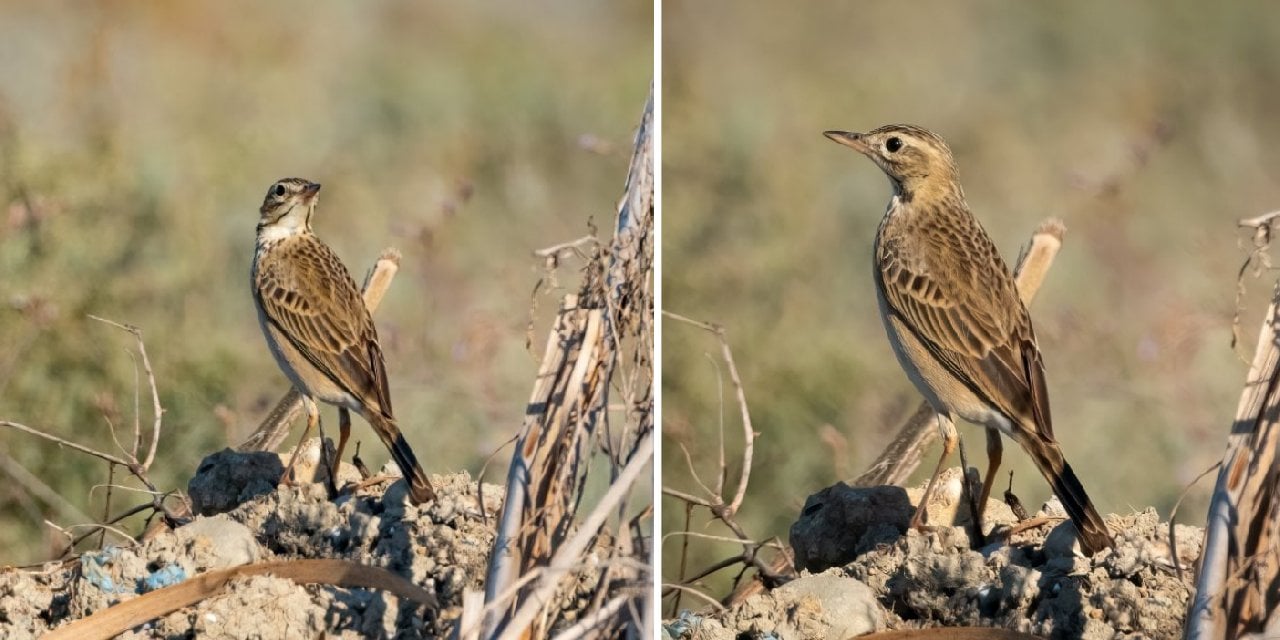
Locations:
(683, 625)
(93, 568)
(168, 576)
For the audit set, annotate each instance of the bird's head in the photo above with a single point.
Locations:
(289, 205)
(914, 158)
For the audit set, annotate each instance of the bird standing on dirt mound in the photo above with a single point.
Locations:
(318, 328)
(955, 320)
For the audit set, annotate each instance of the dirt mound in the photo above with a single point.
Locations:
(441, 546)
(1035, 581)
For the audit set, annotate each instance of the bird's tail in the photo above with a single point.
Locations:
(1048, 457)
(420, 489)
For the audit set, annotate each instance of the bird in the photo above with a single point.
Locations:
(954, 319)
(318, 328)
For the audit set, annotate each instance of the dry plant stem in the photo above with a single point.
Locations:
(106, 526)
(771, 573)
(896, 463)
(715, 604)
(566, 349)
(472, 614)
(569, 554)
(138, 468)
(1260, 260)
(1031, 523)
(119, 618)
(1259, 221)
(275, 427)
(1238, 591)
(684, 557)
(93, 528)
(601, 343)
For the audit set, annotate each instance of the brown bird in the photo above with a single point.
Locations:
(954, 318)
(318, 328)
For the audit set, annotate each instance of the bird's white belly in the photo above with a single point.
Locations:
(304, 376)
(947, 395)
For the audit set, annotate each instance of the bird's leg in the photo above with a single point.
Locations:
(949, 440)
(344, 432)
(313, 422)
(995, 450)
(966, 490)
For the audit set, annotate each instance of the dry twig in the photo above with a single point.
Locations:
(128, 457)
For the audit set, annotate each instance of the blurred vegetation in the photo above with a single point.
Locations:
(1149, 127)
(137, 141)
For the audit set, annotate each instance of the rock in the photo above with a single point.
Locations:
(828, 607)
(839, 522)
(227, 542)
(228, 478)
(836, 519)
(848, 607)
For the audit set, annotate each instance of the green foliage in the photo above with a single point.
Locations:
(136, 145)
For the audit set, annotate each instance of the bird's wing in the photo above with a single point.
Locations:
(950, 287)
(309, 296)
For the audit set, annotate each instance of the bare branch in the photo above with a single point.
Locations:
(67, 443)
(156, 412)
(748, 433)
(715, 604)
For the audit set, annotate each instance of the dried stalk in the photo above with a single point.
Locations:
(1238, 590)
(601, 342)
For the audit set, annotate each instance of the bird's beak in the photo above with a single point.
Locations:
(849, 139)
(311, 190)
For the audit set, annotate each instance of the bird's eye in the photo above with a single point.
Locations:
(278, 191)
(893, 144)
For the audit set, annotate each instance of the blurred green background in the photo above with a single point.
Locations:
(1149, 127)
(137, 140)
